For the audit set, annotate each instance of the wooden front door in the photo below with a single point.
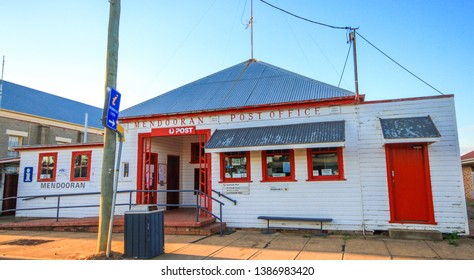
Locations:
(409, 184)
(172, 179)
(11, 188)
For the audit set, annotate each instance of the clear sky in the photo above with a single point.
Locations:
(59, 46)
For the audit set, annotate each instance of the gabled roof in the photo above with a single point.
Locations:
(30, 101)
(248, 84)
(468, 158)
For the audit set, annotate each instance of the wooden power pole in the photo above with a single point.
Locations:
(108, 162)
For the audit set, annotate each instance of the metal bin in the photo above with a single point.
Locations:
(144, 232)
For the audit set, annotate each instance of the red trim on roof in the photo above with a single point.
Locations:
(59, 146)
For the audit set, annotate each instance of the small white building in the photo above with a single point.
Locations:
(281, 144)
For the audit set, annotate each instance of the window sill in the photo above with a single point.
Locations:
(234, 181)
(326, 179)
(46, 180)
(278, 180)
(80, 180)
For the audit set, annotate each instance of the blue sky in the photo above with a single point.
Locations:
(59, 46)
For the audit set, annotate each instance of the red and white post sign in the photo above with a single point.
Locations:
(174, 131)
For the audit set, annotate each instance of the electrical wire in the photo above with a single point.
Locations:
(345, 63)
(242, 16)
(387, 56)
(305, 19)
(355, 30)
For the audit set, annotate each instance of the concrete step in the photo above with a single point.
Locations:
(415, 234)
(206, 230)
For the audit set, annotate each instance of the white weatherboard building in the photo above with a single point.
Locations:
(281, 144)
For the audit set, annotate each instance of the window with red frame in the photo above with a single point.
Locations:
(195, 147)
(47, 167)
(235, 167)
(278, 165)
(81, 166)
(325, 164)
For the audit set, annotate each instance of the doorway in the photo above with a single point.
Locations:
(172, 179)
(11, 188)
(409, 184)
(151, 178)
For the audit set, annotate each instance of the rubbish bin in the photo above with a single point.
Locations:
(144, 232)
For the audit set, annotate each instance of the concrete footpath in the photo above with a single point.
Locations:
(239, 245)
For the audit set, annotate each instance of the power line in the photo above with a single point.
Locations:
(345, 63)
(386, 55)
(305, 19)
(355, 30)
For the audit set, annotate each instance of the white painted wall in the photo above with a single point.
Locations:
(445, 165)
(30, 158)
(360, 202)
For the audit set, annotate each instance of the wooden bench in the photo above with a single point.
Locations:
(302, 219)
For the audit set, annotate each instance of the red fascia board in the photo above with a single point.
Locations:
(350, 100)
(57, 147)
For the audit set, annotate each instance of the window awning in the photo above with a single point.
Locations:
(293, 136)
(415, 129)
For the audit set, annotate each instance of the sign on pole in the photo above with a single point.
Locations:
(112, 113)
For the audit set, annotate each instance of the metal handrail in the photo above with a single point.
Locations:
(225, 196)
(130, 204)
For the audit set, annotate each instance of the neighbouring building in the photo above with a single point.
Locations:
(467, 161)
(282, 144)
(32, 117)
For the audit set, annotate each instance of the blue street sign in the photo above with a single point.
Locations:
(28, 174)
(113, 109)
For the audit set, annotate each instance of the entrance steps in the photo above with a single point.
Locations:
(177, 222)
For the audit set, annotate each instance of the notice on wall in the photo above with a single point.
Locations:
(279, 187)
(236, 188)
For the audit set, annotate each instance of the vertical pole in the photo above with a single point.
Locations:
(352, 37)
(114, 198)
(251, 29)
(86, 121)
(108, 162)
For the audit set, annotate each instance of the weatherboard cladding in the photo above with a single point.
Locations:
(320, 132)
(400, 128)
(251, 83)
(26, 100)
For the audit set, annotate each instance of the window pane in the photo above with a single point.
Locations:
(77, 172)
(235, 166)
(278, 165)
(125, 169)
(325, 164)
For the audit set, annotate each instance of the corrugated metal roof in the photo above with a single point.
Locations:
(320, 132)
(403, 128)
(250, 83)
(34, 102)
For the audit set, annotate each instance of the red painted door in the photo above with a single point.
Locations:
(409, 184)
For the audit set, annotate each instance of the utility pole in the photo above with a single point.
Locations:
(352, 37)
(108, 162)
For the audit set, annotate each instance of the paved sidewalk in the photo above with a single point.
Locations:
(240, 245)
